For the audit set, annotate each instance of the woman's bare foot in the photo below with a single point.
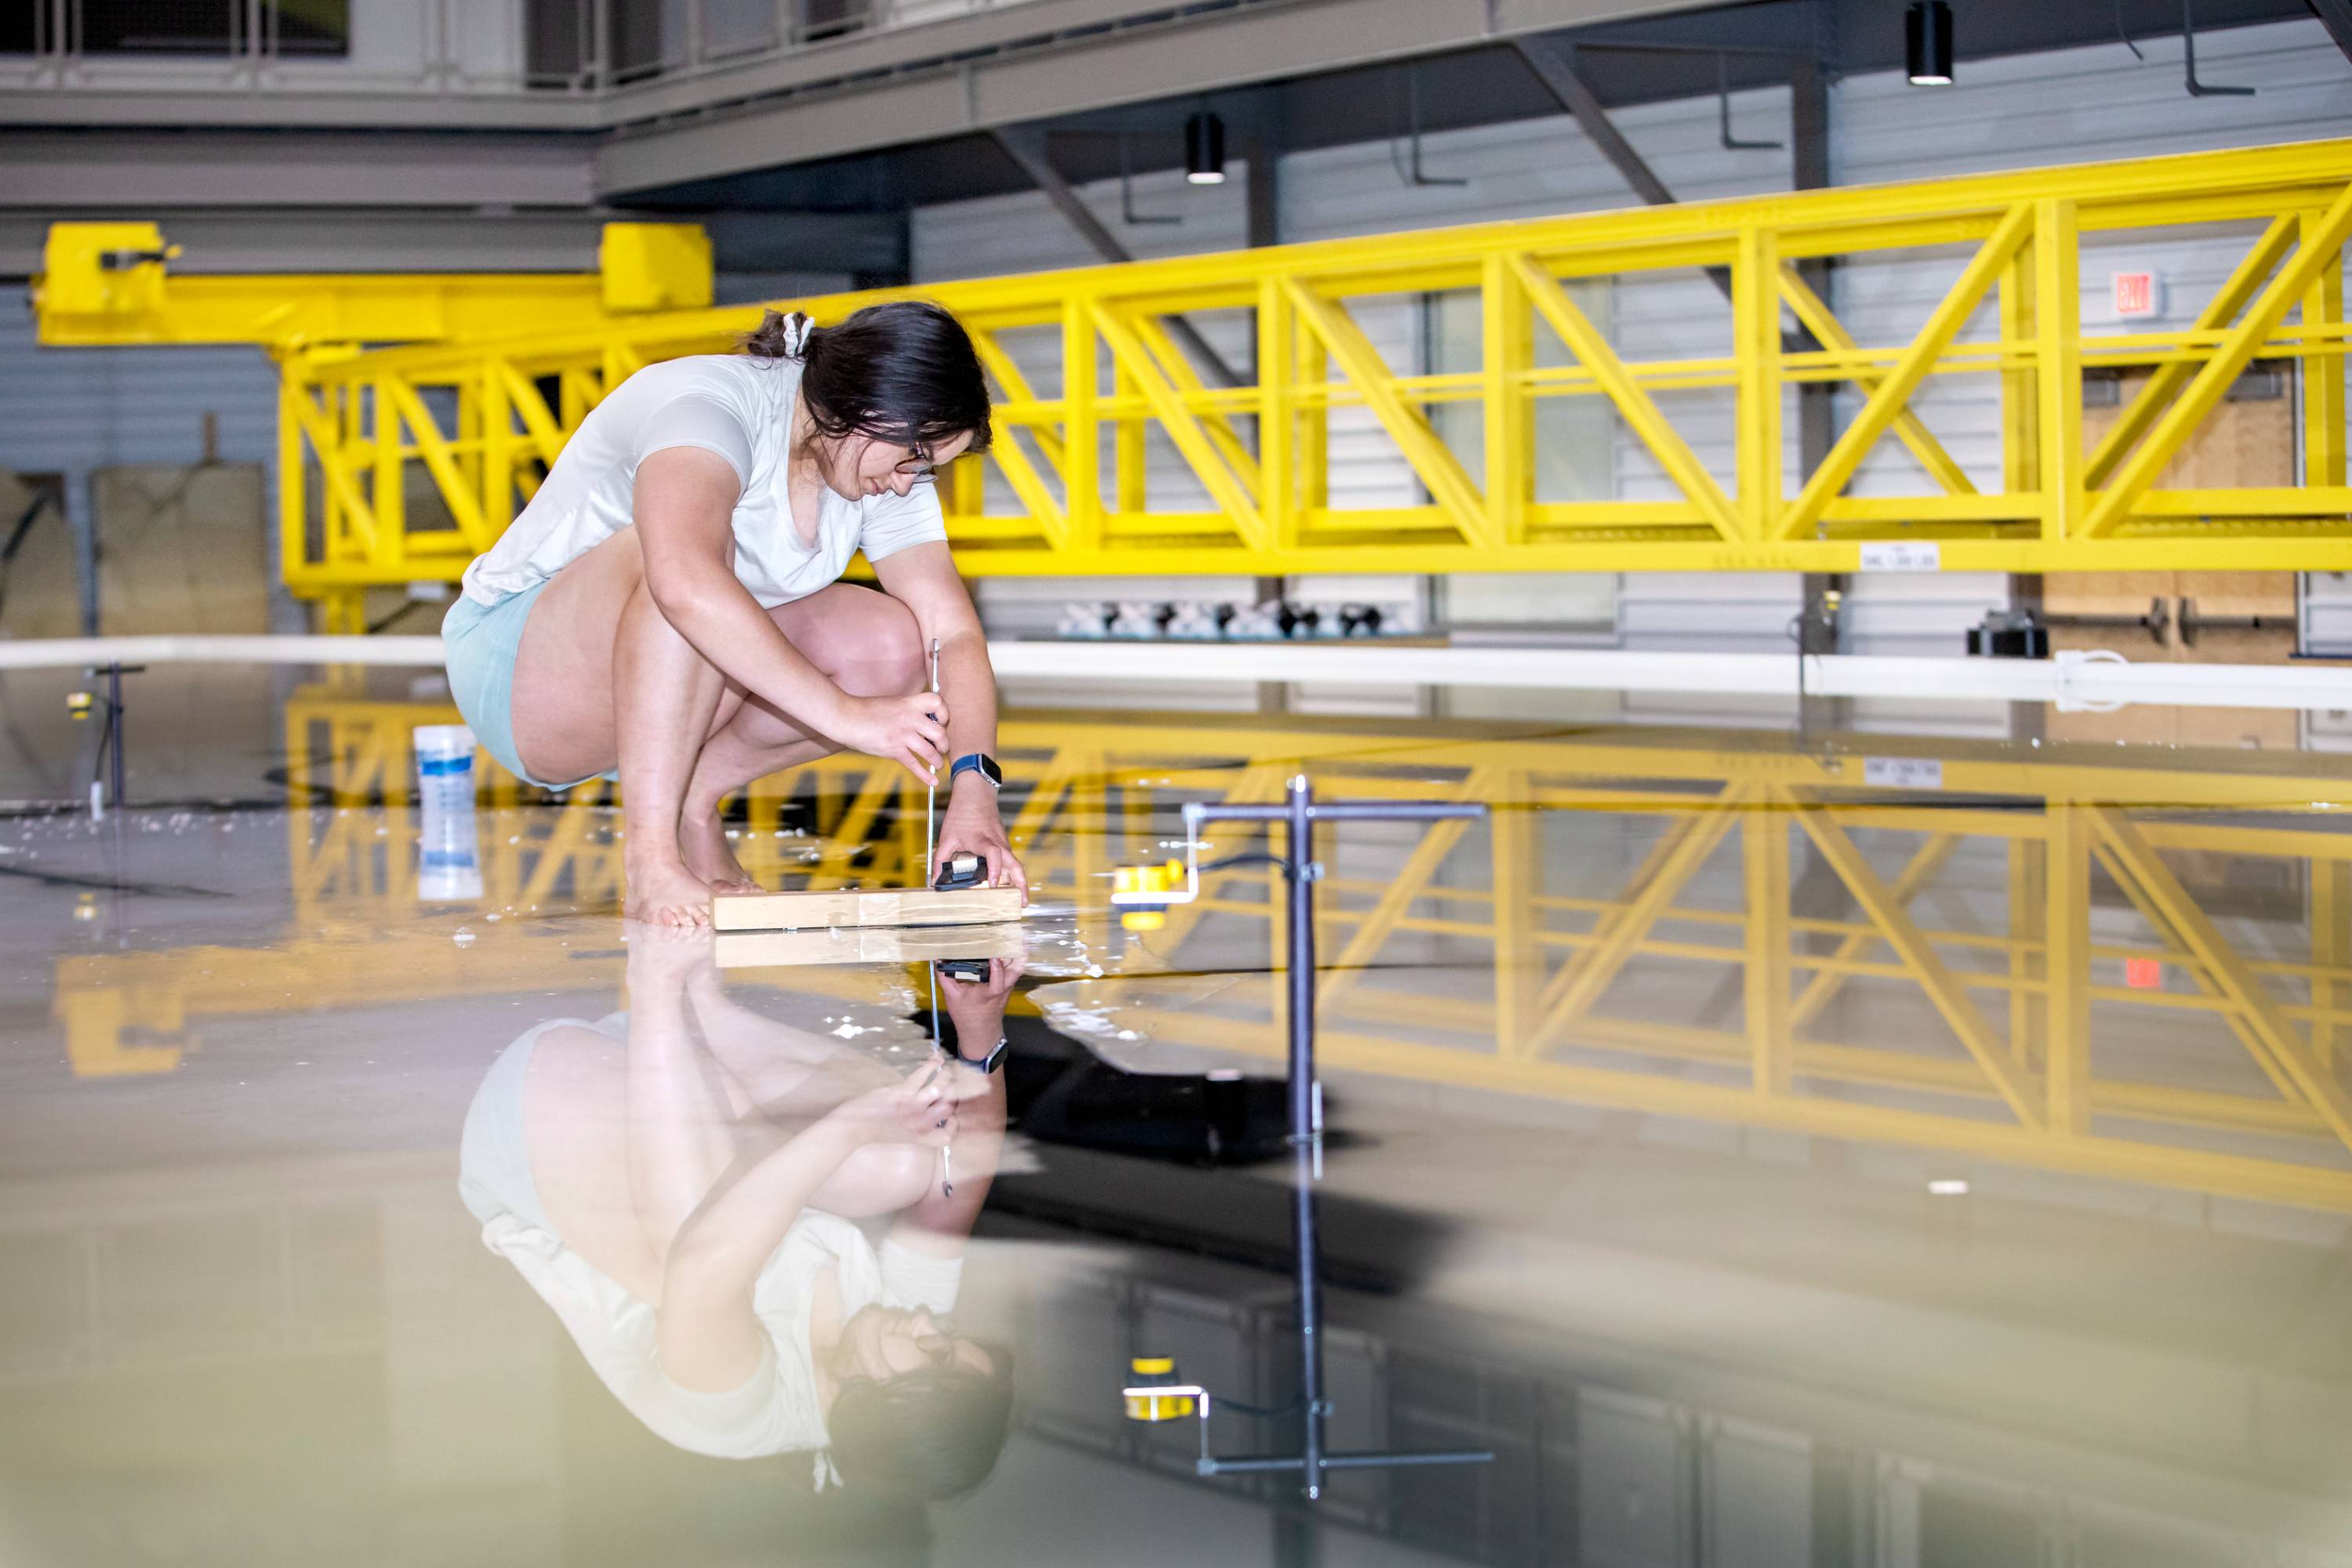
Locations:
(664, 892)
(702, 839)
(668, 958)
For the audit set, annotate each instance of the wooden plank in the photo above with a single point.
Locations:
(873, 906)
(865, 944)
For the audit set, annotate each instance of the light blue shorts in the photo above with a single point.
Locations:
(480, 642)
(493, 1152)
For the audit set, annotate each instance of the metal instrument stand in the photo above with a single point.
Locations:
(110, 738)
(1300, 813)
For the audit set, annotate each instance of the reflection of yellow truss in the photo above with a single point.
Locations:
(1470, 963)
(469, 410)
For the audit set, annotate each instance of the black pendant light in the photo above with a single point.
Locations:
(1204, 149)
(1927, 43)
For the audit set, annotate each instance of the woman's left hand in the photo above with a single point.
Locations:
(972, 827)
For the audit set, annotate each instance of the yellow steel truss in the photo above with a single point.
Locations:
(1476, 961)
(487, 405)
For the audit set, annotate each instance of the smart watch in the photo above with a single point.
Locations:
(987, 1063)
(978, 762)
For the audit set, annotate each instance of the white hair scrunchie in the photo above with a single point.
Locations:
(796, 333)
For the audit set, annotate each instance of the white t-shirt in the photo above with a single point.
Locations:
(776, 1410)
(737, 406)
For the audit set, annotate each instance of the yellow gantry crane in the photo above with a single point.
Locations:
(490, 375)
(111, 283)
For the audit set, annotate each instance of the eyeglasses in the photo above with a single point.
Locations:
(918, 465)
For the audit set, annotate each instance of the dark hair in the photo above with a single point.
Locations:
(934, 1434)
(902, 371)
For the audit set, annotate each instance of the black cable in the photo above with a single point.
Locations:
(16, 540)
(407, 606)
(1256, 859)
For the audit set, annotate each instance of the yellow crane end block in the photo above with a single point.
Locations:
(106, 270)
(655, 266)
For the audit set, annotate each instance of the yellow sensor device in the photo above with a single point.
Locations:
(1154, 1394)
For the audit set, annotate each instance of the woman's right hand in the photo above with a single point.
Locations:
(916, 1109)
(909, 730)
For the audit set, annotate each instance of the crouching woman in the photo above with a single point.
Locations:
(668, 610)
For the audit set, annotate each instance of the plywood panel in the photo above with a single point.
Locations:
(882, 907)
(2144, 724)
(2265, 594)
(182, 549)
(2244, 729)
(38, 594)
(2247, 442)
(2137, 725)
(865, 944)
(2243, 441)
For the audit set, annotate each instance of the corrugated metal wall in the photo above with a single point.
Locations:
(2326, 618)
(68, 410)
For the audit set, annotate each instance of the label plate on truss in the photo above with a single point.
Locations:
(1903, 773)
(1903, 555)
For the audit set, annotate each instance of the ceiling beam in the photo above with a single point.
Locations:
(2335, 16)
(1211, 51)
(69, 174)
(1026, 147)
(1556, 69)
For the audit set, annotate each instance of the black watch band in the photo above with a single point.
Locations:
(987, 1063)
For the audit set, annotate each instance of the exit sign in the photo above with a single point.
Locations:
(2137, 294)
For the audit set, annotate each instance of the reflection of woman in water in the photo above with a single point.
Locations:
(690, 1186)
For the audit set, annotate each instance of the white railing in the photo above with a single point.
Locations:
(583, 48)
(2072, 681)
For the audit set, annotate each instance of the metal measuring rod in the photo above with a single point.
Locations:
(1149, 891)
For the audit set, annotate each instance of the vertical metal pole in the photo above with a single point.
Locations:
(1304, 1121)
(1298, 813)
(1305, 1124)
(931, 807)
(1808, 170)
(114, 729)
(1311, 1318)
